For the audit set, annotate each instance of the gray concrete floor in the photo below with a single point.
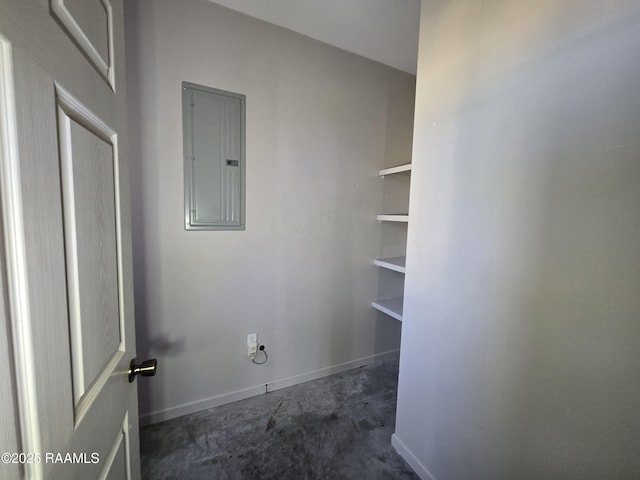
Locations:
(337, 427)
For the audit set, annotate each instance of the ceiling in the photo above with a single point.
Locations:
(382, 30)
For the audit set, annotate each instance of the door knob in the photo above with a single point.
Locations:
(146, 368)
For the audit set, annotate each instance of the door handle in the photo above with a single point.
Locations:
(146, 368)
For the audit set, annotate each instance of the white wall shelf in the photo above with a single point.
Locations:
(397, 264)
(406, 168)
(390, 306)
(389, 285)
(396, 217)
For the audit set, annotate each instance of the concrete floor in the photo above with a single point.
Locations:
(337, 427)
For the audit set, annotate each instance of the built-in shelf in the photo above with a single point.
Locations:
(390, 306)
(397, 264)
(396, 217)
(399, 169)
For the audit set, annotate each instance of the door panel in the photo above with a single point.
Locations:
(66, 225)
(117, 464)
(90, 24)
(88, 163)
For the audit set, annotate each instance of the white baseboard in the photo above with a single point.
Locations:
(199, 405)
(331, 370)
(411, 459)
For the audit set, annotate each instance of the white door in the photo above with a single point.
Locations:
(66, 232)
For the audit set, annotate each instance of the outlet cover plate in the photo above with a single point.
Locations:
(252, 344)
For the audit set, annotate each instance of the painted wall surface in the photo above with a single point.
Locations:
(319, 122)
(521, 340)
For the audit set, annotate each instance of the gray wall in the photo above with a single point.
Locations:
(521, 341)
(319, 121)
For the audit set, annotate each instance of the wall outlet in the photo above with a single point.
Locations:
(252, 344)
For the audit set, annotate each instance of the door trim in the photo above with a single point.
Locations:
(15, 253)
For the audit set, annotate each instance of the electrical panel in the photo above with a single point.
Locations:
(213, 124)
